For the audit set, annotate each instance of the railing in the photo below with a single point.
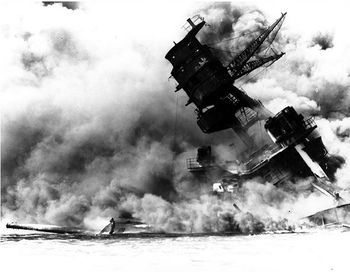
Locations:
(193, 22)
(230, 97)
(246, 115)
(261, 155)
(194, 165)
(310, 123)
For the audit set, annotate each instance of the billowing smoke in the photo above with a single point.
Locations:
(89, 121)
(87, 115)
(89, 128)
(323, 40)
(230, 28)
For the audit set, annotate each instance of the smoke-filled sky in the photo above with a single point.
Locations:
(88, 109)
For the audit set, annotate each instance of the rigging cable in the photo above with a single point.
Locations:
(218, 49)
(175, 132)
(233, 38)
(252, 77)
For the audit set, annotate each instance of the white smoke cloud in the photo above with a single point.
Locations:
(86, 109)
(87, 116)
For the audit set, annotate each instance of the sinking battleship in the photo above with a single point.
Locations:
(288, 148)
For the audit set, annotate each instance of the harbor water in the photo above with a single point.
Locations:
(322, 250)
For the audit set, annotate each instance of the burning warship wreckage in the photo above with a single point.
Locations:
(123, 163)
(279, 149)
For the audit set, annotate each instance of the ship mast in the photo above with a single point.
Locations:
(254, 64)
(240, 66)
(209, 84)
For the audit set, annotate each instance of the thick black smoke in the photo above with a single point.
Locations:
(231, 28)
(67, 4)
(89, 128)
(323, 40)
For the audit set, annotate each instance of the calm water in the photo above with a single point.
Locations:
(326, 250)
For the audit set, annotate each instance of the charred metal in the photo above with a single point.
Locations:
(289, 148)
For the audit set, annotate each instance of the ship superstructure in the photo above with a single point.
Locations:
(289, 148)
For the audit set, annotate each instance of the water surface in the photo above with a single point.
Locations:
(325, 250)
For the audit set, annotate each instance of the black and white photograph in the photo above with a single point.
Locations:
(175, 136)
